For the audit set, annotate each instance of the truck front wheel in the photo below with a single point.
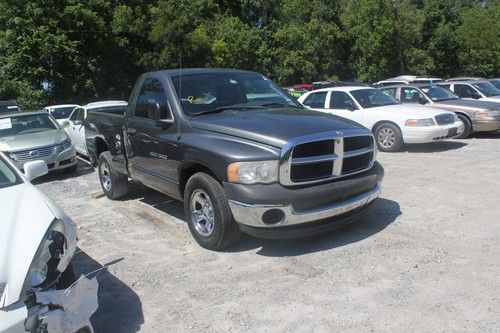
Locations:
(208, 214)
(113, 183)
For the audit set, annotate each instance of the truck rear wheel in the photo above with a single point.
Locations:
(113, 183)
(208, 214)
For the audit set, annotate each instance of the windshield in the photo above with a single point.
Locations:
(20, 125)
(199, 93)
(62, 113)
(7, 176)
(486, 88)
(496, 83)
(438, 94)
(371, 98)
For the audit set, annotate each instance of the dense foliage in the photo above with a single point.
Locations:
(54, 51)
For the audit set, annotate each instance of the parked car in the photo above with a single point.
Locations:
(306, 86)
(406, 79)
(28, 136)
(465, 78)
(9, 106)
(253, 160)
(480, 90)
(495, 82)
(477, 116)
(38, 288)
(60, 112)
(74, 125)
(392, 123)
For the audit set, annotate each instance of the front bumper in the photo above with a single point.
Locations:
(56, 161)
(432, 133)
(486, 124)
(274, 209)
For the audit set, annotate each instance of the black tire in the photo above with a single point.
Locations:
(223, 231)
(388, 137)
(113, 183)
(467, 127)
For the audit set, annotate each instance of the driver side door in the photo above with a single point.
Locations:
(76, 130)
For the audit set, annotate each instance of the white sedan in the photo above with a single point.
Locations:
(392, 123)
(38, 289)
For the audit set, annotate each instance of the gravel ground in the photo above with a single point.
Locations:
(426, 258)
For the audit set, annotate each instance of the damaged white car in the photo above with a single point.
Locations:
(38, 289)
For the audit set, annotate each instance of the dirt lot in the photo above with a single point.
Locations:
(427, 258)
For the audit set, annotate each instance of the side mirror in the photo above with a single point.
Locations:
(65, 123)
(35, 169)
(77, 122)
(422, 100)
(351, 107)
(475, 95)
(161, 113)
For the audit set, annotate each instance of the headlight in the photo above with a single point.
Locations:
(420, 122)
(43, 270)
(63, 145)
(253, 172)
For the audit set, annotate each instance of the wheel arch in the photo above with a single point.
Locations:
(188, 169)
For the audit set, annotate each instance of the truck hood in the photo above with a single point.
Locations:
(415, 111)
(32, 140)
(472, 105)
(273, 127)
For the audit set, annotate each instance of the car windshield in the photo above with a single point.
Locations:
(8, 177)
(438, 94)
(26, 124)
(62, 113)
(487, 89)
(371, 98)
(206, 92)
(496, 83)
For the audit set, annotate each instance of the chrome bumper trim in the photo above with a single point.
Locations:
(251, 215)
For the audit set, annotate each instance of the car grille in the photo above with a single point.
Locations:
(33, 154)
(445, 118)
(327, 159)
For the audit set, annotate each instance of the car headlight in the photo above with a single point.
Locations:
(64, 145)
(420, 122)
(43, 270)
(253, 172)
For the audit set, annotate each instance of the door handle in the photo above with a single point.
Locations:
(131, 131)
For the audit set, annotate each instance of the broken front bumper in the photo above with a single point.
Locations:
(64, 310)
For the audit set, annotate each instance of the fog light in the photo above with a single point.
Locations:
(273, 216)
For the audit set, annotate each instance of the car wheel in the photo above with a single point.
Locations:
(208, 214)
(467, 127)
(113, 183)
(388, 137)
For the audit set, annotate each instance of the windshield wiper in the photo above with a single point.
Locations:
(278, 104)
(225, 108)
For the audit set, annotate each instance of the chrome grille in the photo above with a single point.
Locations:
(33, 154)
(445, 118)
(324, 159)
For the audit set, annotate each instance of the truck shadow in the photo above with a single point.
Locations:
(120, 308)
(382, 214)
(434, 147)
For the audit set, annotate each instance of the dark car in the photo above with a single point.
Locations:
(9, 106)
(241, 153)
(477, 116)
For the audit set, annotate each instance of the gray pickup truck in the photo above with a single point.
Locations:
(477, 116)
(240, 153)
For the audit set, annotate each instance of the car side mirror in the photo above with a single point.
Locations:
(422, 100)
(476, 95)
(35, 169)
(77, 122)
(162, 114)
(65, 123)
(351, 107)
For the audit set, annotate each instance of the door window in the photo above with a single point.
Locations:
(464, 91)
(340, 100)
(316, 100)
(390, 91)
(151, 93)
(411, 95)
(78, 114)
